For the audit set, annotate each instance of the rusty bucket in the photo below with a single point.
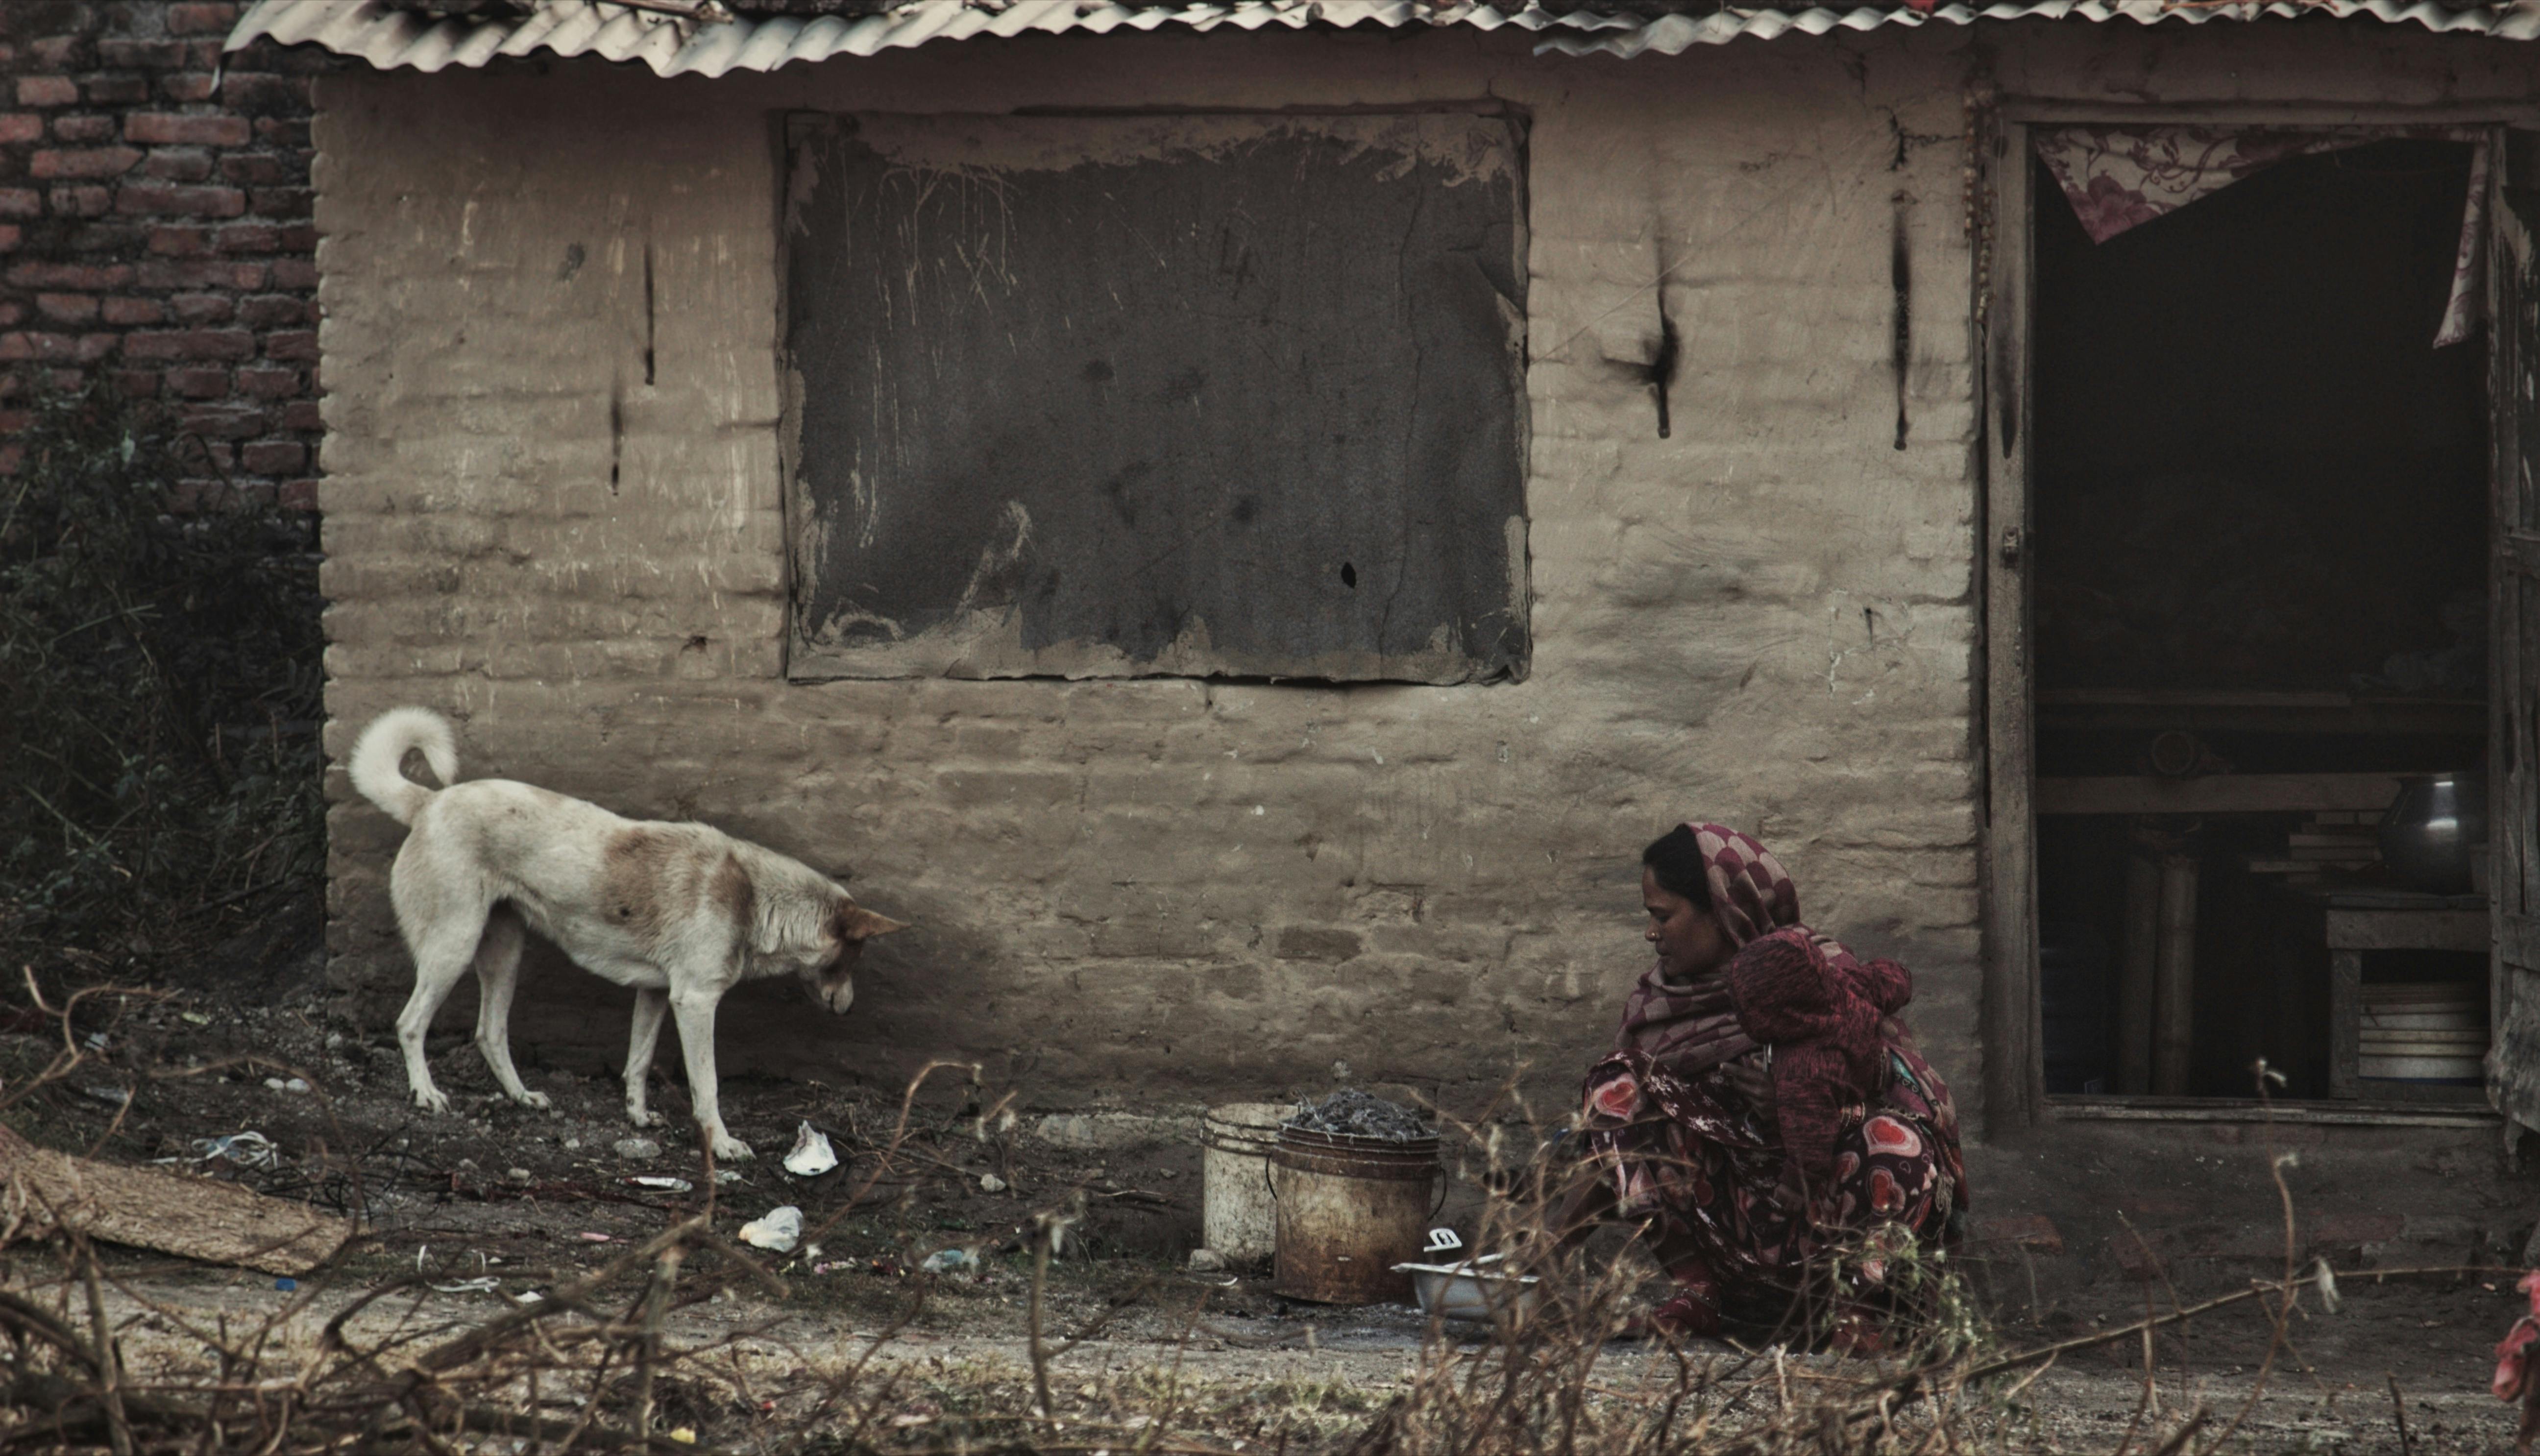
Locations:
(1350, 1209)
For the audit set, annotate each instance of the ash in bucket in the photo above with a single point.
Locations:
(1357, 1114)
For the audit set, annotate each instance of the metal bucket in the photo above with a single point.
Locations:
(1350, 1209)
(1235, 1141)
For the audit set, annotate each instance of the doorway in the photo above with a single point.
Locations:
(2255, 597)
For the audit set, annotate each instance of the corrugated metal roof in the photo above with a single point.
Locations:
(390, 39)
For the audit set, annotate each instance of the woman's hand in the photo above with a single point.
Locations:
(1752, 1079)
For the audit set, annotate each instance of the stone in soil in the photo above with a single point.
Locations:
(636, 1148)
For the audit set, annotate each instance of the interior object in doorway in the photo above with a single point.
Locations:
(2423, 1033)
(2427, 835)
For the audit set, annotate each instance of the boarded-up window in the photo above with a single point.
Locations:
(1157, 394)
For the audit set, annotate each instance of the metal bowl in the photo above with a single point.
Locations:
(2428, 832)
(1468, 1291)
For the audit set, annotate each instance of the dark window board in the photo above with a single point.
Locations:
(1231, 395)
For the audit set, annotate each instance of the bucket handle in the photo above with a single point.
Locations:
(1446, 1185)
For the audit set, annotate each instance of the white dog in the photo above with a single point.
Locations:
(681, 911)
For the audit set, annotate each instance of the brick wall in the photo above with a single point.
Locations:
(155, 224)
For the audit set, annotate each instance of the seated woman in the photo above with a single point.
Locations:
(1763, 1108)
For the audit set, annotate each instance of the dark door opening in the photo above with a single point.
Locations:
(2261, 519)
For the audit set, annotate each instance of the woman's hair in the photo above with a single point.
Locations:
(1677, 859)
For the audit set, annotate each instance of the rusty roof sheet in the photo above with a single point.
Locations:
(388, 36)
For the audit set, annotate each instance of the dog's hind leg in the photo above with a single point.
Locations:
(498, 975)
(441, 956)
(696, 1012)
(649, 1009)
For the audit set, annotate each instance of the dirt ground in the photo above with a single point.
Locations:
(497, 1202)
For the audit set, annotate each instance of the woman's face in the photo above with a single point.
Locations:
(1689, 940)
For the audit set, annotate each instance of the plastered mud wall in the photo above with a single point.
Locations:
(1175, 889)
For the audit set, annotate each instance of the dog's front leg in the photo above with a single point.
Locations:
(649, 1007)
(696, 1012)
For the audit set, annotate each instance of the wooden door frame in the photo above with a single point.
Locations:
(2003, 263)
(2014, 1068)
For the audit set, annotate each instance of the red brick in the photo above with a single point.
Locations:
(9, 235)
(296, 495)
(201, 381)
(180, 243)
(281, 132)
(105, 237)
(205, 308)
(21, 126)
(225, 421)
(187, 86)
(58, 52)
(193, 343)
(12, 312)
(21, 202)
(164, 198)
(247, 237)
(70, 277)
(261, 92)
(292, 344)
(281, 202)
(19, 346)
(96, 346)
(84, 130)
(138, 383)
(178, 164)
(67, 307)
(274, 457)
(276, 311)
(47, 91)
(260, 169)
(158, 129)
(295, 273)
(201, 18)
(269, 383)
(114, 89)
(298, 238)
(302, 414)
(195, 273)
(131, 312)
(125, 53)
(88, 200)
(86, 161)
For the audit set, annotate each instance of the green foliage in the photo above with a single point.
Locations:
(160, 695)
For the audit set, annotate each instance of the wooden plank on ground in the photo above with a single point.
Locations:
(2218, 794)
(166, 1213)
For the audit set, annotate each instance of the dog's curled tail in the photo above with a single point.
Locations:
(378, 759)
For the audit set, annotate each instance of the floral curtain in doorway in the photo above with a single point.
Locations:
(2119, 176)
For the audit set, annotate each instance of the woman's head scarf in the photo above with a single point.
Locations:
(1750, 891)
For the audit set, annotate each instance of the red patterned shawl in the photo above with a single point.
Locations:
(1820, 1008)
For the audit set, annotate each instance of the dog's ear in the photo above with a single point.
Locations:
(855, 923)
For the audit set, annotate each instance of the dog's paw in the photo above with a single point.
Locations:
(642, 1118)
(730, 1149)
(433, 1100)
(537, 1100)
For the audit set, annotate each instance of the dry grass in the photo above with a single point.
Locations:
(619, 1358)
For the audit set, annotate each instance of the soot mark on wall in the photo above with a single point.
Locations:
(1254, 385)
(1900, 277)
